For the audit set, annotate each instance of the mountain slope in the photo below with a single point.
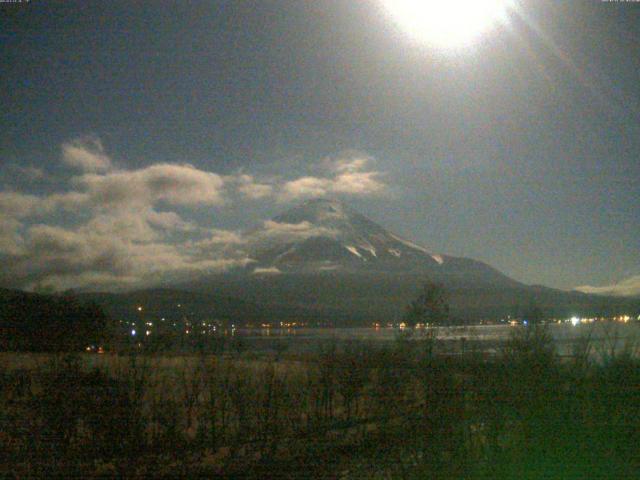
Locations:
(329, 236)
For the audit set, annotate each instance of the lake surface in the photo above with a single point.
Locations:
(604, 337)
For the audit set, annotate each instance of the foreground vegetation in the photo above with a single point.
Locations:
(349, 410)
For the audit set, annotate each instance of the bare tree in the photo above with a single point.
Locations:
(430, 307)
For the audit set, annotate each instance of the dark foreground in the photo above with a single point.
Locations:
(353, 409)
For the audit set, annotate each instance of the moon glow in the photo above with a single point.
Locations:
(447, 23)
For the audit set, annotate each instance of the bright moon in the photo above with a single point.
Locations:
(447, 23)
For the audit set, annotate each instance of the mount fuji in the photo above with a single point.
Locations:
(343, 268)
(328, 236)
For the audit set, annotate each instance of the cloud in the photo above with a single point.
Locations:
(354, 184)
(120, 236)
(86, 154)
(358, 183)
(348, 175)
(169, 183)
(14, 207)
(53, 250)
(273, 233)
(128, 225)
(28, 172)
(18, 205)
(251, 189)
(102, 187)
(10, 239)
(296, 231)
(176, 185)
(170, 221)
(626, 288)
(305, 187)
(119, 228)
(68, 201)
(238, 246)
(349, 161)
(220, 244)
(218, 237)
(95, 281)
(130, 255)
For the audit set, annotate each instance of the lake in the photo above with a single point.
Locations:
(604, 337)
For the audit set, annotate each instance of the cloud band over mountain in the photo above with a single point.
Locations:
(116, 227)
(625, 288)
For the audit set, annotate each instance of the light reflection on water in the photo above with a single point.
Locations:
(478, 332)
(608, 335)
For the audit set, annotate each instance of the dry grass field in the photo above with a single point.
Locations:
(351, 409)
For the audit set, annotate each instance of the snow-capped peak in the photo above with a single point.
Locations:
(322, 232)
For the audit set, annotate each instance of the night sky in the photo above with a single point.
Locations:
(140, 140)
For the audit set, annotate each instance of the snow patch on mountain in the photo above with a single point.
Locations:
(267, 271)
(369, 248)
(438, 258)
(409, 244)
